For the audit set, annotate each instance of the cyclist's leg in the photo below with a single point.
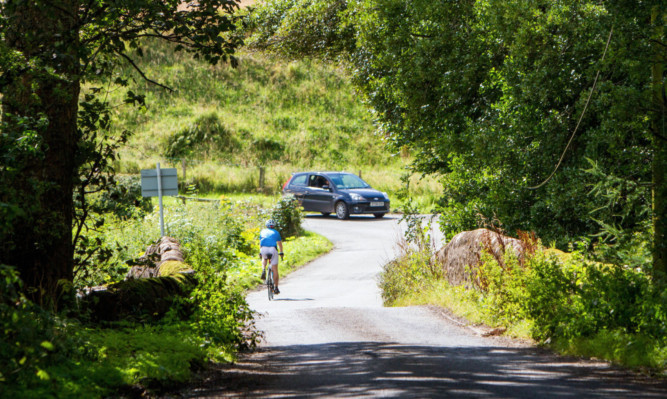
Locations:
(266, 259)
(274, 266)
(275, 274)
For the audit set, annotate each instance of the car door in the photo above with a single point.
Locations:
(319, 196)
(298, 186)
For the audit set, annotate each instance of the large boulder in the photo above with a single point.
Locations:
(462, 256)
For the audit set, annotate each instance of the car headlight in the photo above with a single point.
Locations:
(356, 197)
(386, 196)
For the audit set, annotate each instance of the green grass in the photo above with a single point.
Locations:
(467, 304)
(635, 351)
(285, 116)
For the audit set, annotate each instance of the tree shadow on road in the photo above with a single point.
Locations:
(353, 218)
(371, 369)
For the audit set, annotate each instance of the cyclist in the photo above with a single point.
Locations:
(269, 243)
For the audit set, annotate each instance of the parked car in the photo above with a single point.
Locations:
(336, 192)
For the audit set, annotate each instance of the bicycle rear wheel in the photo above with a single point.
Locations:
(269, 283)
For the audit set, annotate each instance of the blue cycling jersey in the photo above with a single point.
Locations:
(269, 238)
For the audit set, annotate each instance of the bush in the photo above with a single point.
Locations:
(506, 294)
(124, 199)
(581, 307)
(415, 267)
(31, 338)
(287, 215)
(221, 315)
(205, 134)
(578, 299)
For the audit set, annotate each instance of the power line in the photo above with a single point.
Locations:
(597, 75)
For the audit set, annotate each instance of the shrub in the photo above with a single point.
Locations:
(415, 267)
(287, 215)
(124, 199)
(206, 133)
(505, 284)
(29, 336)
(578, 299)
(574, 298)
(221, 313)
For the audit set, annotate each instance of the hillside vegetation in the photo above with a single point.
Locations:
(226, 122)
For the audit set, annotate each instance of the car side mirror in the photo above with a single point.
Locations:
(326, 187)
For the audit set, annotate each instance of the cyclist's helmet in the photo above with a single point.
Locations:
(270, 223)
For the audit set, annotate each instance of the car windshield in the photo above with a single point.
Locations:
(348, 181)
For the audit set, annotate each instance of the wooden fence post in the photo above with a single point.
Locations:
(261, 178)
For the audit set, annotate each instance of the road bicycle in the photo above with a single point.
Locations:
(269, 278)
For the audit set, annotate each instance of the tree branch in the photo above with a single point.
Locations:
(421, 35)
(143, 75)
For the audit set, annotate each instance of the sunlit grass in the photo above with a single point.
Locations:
(466, 304)
(308, 107)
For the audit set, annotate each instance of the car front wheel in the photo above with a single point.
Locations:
(342, 212)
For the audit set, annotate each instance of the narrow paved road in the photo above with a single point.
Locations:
(327, 335)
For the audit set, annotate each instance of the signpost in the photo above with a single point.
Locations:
(157, 183)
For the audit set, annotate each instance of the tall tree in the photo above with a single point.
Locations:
(50, 48)
(489, 93)
(658, 119)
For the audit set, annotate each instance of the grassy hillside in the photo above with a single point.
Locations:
(225, 122)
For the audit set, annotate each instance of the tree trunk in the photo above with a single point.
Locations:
(659, 151)
(46, 33)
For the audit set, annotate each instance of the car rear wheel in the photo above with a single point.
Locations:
(378, 215)
(342, 212)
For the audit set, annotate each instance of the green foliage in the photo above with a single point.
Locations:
(207, 134)
(581, 307)
(287, 215)
(301, 28)
(505, 285)
(487, 93)
(580, 299)
(28, 333)
(222, 315)
(123, 199)
(575, 305)
(266, 149)
(98, 362)
(404, 275)
(415, 268)
(162, 354)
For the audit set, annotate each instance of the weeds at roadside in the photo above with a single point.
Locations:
(572, 305)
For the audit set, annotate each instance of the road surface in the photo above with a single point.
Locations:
(328, 335)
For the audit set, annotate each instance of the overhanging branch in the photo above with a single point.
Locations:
(143, 75)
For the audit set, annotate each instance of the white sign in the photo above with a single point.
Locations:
(157, 183)
(168, 181)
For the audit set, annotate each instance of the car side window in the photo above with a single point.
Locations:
(299, 181)
(317, 181)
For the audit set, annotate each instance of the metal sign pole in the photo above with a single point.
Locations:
(159, 195)
(159, 183)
